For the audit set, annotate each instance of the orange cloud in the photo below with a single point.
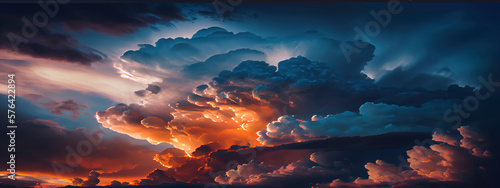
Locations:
(203, 119)
(444, 161)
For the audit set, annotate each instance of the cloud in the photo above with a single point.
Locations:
(220, 62)
(255, 93)
(371, 119)
(237, 104)
(91, 181)
(152, 89)
(208, 31)
(132, 119)
(254, 173)
(116, 183)
(399, 78)
(438, 162)
(206, 149)
(473, 142)
(381, 171)
(172, 157)
(57, 107)
(77, 181)
(217, 49)
(157, 177)
(110, 156)
(49, 42)
(243, 173)
(445, 138)
(285, 165)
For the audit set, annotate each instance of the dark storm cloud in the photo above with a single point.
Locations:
(456, 37)
(157, 177)
(46, 40)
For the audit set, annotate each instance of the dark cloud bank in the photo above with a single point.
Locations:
(42, 30)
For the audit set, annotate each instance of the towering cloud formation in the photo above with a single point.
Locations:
(259, 103)
(371, 119)
(240, 102)
(214, 49)
(237, 104)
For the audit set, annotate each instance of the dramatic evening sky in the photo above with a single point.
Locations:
(173, 87)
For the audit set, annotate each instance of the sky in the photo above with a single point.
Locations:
(251, 94)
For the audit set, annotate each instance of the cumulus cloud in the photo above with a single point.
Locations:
(443, 161)
(116, 183)
(174, 53)
(243, 174)
(138, 121)
(91, 181)
(286, 165)
(237, 104)
(172, 157)
(184, 63)
(445, 138)
(179, 169)
(220, 62)
(206, 149)
(255, 173)
(156, 177)
(473, 142)
(77, 181)
(371, 119)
